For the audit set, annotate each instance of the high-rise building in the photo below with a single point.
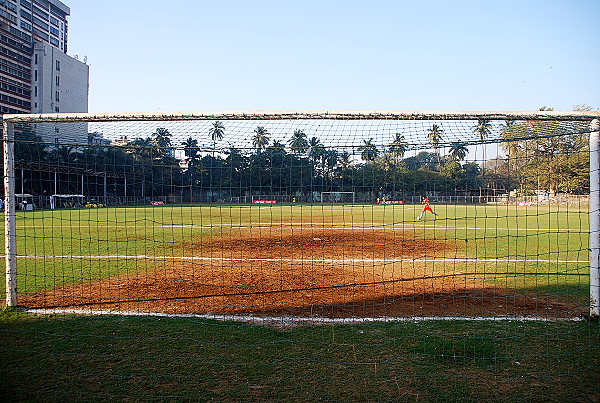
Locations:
(36, 74)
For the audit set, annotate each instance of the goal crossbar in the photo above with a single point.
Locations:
(302, 115)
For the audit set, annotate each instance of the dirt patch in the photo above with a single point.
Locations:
(320, 243)
(333, 273)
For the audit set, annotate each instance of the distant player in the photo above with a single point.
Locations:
(426, 207)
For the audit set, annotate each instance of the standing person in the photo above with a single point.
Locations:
(426, 207)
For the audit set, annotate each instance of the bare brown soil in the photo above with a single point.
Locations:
(321, 273)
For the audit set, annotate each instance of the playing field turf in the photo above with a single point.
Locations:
(308, 260)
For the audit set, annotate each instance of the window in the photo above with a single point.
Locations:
(40, 23)
(35, 91)
(57, 110)
(57, 81)
(57, 96)
(8, 16)
(40, 12)
(41, 34)
(35, 59)
(56, 130)
(34, 75)
(58, 65)
(26, 15)
(26, 25)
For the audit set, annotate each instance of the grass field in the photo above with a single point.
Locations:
(364, 252)
(310, 261)
(108, 358)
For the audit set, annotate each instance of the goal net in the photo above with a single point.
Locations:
(337, 197)
(364, 221)
(460, 209)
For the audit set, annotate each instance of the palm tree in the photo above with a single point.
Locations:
(190, 150)
(483, 128)
(161, 137)
(368, 151)
(345, 160)
(458, 151)
(298, 142)
(277, 146)
(316, 149)
(260, 139)
(216, 132)
(398, 147)
(330, 158)
(506, 134)
(161, 143)
(435, 136)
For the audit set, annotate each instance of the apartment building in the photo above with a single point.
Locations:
(36, 74)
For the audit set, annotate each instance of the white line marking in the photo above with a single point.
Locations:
(291, 320)
(303, 226)
(301, 260)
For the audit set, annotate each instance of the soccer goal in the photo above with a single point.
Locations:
(226, 213)
(337, 197)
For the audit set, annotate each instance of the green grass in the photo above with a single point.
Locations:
(84, 358)
(549, 243)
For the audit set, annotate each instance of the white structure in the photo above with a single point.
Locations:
(60, 84)
(36, 74)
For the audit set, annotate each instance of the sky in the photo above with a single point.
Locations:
(227, 55)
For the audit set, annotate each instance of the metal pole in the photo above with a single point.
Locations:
(595, 220)
(10, 239)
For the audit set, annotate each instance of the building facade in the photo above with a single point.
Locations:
(36, 74)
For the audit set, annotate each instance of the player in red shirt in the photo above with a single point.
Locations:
(426, 207)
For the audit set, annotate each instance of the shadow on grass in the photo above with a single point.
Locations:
(87, 358)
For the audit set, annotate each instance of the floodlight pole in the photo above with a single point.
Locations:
(10, 237)
(595, 220)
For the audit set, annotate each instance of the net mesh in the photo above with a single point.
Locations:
(361, 224)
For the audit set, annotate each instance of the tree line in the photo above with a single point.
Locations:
(538, 155)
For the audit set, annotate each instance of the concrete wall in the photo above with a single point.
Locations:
(71, 83)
